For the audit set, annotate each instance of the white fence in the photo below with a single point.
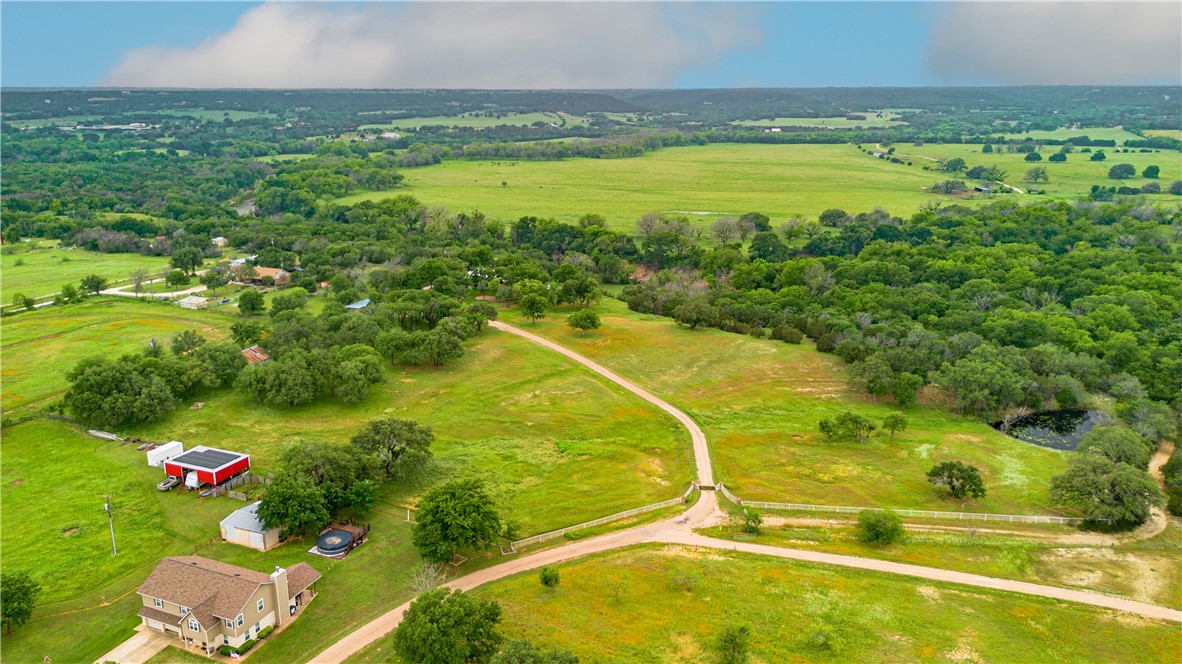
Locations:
(921, 514)
(554, 534)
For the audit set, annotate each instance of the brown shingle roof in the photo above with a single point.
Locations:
(152, 613)
(299, 577)
(211, 589)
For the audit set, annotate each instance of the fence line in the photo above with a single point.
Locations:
(924, 514)
(554, 534)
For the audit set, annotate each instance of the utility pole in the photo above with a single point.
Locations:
(111, 521)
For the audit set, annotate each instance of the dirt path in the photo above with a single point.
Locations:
(701, 451)
(679, 530)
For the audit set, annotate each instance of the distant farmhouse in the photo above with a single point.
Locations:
(212, 604)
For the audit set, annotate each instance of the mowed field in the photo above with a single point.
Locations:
(759, 402)
(53, 480)
(674, 601)
(701, 182)
(556, 444)
(40, 347)
(44, 270)
(1070, 179)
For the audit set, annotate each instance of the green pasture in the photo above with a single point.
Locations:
(556, 444)
(54, 479)
(872, 121)
(759, 402)
(1169, 133)
(1070, 179)
(60, 121)
(1118, 134)
(476, 121)
(702, 183)
(280, 158)
(215, 114)
(44, 270)
(674, 601)
(1147, 570)
(40, 347)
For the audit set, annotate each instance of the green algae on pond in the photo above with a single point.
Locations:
(1056, 429)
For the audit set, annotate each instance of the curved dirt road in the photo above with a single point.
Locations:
(679, 530)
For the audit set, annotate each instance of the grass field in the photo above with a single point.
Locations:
(40, 347)
(53, 482)
(675, 601)
(759, 402)
(44, 270)
(482, 122)
(215, 114)
(1147, 570)
(701, 182)
(872, 120)
(1069, 179)
(1117, 134)
(556, 444)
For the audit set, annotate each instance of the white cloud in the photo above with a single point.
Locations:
(449, 45)
(1058, 43)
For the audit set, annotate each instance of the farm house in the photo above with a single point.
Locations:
(207, 465)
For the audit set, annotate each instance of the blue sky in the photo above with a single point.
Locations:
(231, 44)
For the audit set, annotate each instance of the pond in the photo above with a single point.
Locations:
(1056, 429)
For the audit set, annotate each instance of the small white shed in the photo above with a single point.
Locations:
(244, 527)
(158, 455)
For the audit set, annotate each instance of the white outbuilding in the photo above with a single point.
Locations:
(244, 527)
(161, 453)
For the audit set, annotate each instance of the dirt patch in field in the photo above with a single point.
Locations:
(71, 531)
(928, 592)
(964, 652)
(17, 482)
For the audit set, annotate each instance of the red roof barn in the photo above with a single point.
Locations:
(213, 466)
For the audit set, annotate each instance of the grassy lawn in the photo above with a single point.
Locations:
(1118, 134)
(41, 346)
(43, 271)
(1148, 571)
(215, 114)
(703, 182)
(556, 444)
(675, 601)
(759, 402)
(53, 482)
(1069, 179)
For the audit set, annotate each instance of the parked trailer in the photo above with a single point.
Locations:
(158, 455)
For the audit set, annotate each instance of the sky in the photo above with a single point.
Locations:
(587, 44)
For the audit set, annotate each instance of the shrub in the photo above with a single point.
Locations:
(549, 577)
(245, 647)
(225, 651)
(734, 644)
(879, 527)
(266, 631)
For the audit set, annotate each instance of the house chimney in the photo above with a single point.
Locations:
(279, 582)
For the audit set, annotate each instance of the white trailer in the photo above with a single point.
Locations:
(158, 455)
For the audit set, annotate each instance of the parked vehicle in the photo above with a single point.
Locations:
(169, 484)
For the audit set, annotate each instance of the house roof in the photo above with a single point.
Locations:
(255, 355)
(206, 458)
(299, 577)
(359, 304)
(246, 519)
(194, 299)
(152, 613)
(210, 589)
(272, 272)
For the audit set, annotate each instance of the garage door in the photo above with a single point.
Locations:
(256, 541)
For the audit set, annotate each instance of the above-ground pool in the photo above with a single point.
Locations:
(334, 542)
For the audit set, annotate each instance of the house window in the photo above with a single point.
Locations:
(240, 620)
(184, 610)
(225, 640)
(194, 626)
(159, 603)
(260, 605)
(229, 623)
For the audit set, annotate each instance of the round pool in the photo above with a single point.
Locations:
(334, 542)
